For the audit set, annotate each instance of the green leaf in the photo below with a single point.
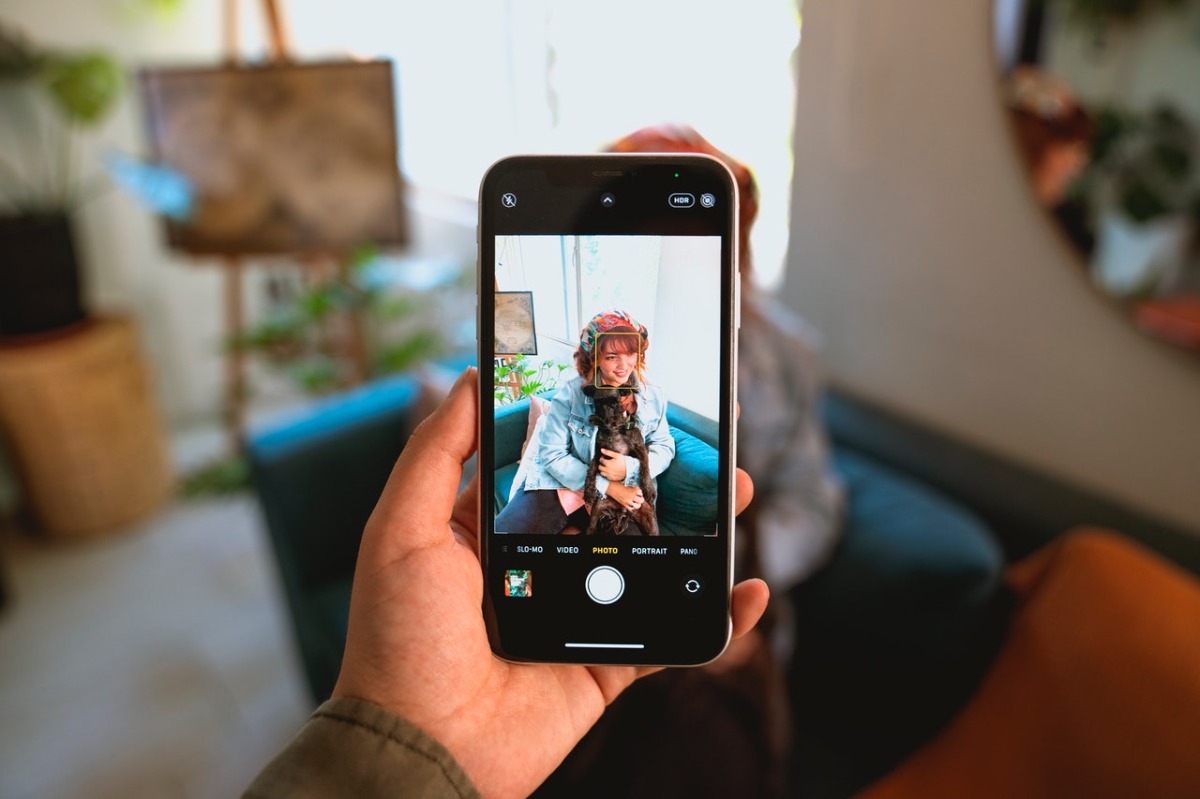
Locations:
(417, 347)
(363, 256)
(316, 375)
(1174, 161)
(390, 308)
(84, 87)
(1110, 127)
(317, 303)
(1141, 203)
(220, 478)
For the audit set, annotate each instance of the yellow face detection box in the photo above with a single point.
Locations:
(596, 353)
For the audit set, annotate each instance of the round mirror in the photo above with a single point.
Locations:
(1104, 100)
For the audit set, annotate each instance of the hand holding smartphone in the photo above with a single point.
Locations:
(607, 348)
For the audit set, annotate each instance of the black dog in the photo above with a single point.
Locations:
(618, 431)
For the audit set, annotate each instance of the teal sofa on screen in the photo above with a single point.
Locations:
(685, 490)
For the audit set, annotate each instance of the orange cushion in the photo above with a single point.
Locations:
(1096, 692)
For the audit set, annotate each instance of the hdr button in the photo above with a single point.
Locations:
(681, 199)
(604, 585)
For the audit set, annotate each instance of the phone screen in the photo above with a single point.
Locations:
(607, 319)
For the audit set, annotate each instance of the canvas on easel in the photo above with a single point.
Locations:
(284, 157)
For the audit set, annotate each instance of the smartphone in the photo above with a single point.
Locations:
(608, 314)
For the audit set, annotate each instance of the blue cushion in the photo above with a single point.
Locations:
(503, 484)
(687, 490)
(914, 567)
(699, 425)
(511, 424)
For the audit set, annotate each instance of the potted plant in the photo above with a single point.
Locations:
(48, 99)
(350, 327)
(517, 379)
(1141, 186)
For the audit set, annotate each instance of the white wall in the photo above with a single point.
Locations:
(686, 338)
(940, 288)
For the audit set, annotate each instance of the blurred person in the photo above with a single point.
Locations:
(794, 523)
(421, 706)
(724, 729)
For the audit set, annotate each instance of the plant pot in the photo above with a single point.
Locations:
(1133, 259)
(39, 276)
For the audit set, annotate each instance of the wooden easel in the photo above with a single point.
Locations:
(235, 266)
(277, 37)
(315, 265)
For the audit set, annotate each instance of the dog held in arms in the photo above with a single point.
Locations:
(618, 431)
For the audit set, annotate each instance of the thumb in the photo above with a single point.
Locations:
(416, 504)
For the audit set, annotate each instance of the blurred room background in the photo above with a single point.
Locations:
(152, 637)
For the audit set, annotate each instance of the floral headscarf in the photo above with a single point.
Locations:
(606, 321)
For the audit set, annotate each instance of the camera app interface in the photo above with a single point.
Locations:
(607, 389)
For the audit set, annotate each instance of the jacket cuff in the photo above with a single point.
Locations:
(633, 468)
(350, 747)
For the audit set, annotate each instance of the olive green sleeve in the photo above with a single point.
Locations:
(350, 747)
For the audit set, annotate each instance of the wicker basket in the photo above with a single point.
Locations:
(82, 420)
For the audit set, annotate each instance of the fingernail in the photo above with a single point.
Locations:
(465, 378)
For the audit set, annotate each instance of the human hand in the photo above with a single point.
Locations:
(629, 497)
(416, 643)
(612, 465)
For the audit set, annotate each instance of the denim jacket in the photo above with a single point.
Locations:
(564, 448)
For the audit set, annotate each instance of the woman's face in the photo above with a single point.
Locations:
(616, 367)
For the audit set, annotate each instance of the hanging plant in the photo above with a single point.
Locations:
(49, 99)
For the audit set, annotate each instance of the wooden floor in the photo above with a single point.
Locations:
(153, 663)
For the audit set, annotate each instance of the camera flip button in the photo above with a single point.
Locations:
(604, 585)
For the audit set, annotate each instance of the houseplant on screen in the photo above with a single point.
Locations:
(48, 100)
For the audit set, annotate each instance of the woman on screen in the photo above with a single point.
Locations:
(548, 497)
